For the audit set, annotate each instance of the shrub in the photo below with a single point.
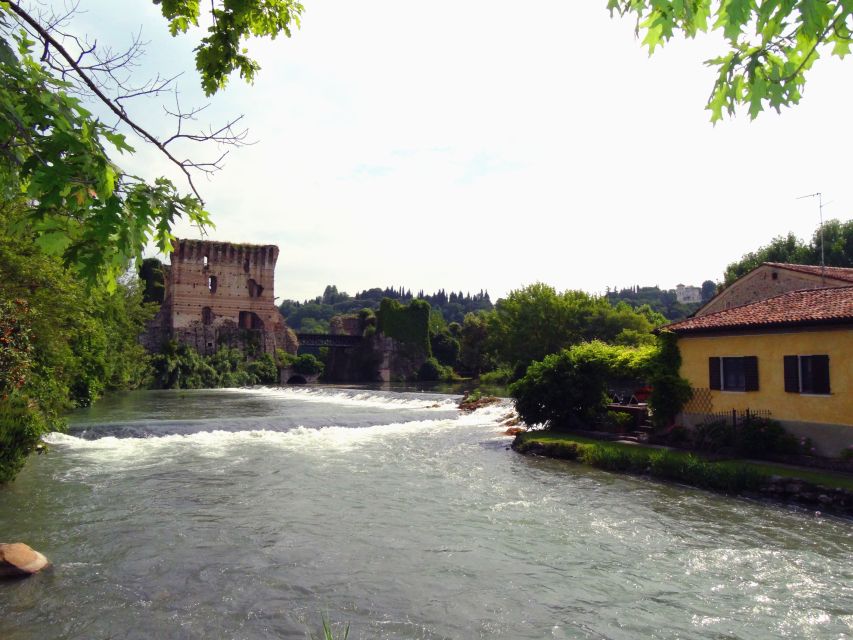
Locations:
(714, 436)
(445, 347)
(757, 436)
(618, 420)
(284, 358)
(569, 389)
(22, 424)
(432, 371)
(500, 375)
(307, 364)
(564, 450)
(676, 436)
(263, 370)
(847, 454)
(754, 437)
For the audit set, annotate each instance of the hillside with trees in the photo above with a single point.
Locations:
(314, 316)
(662, 301)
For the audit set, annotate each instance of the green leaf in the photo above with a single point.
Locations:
(53, 242)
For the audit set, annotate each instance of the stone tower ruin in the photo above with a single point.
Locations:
(221, 294)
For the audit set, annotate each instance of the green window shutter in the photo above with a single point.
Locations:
(792, 374)
(714, 373)
(820, 374)
(750, 371)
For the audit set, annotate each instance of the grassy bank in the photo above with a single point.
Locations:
(729, 476)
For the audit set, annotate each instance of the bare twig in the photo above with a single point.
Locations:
(107, 75)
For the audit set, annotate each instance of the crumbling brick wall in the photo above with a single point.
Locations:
(219, 293)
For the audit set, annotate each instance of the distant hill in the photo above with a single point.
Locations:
(312, 316)
(663, 301)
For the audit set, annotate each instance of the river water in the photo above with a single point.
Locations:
(256, 513)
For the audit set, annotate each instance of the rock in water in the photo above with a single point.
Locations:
(18, 559)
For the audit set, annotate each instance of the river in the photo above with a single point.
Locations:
(255, 513)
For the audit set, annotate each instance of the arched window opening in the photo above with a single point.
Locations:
(250, 320)
(205, 261)
(206, 315)
(211, 284)
(253, 288)
(246, 265)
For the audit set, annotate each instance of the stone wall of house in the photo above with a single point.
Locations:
(765, 282)
(219, 293)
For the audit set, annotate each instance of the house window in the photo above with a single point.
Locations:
(807, 374)
(733, 373)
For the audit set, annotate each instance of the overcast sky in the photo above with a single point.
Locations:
(487, 145)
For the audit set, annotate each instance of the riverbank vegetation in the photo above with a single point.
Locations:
(72, 222)
(832, 491)
(64, 341)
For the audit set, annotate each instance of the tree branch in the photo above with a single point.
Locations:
(100, 76)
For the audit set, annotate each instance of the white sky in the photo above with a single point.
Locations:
(488, 145)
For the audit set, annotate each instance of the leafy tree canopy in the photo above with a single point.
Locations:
(770, 44)
(787, 248)
(535, 321)
(221, 51)
(837, 241)
(61, 158)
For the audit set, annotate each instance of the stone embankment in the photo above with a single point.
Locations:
(813, 496)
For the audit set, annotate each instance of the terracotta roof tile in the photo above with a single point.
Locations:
(836, 273)
(807, 306)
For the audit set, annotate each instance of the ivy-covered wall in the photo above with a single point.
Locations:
(408, 324)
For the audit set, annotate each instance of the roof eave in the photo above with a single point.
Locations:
(759, 326)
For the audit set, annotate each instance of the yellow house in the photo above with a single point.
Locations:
(790, 355)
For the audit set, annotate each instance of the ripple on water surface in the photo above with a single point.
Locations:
(398, 515)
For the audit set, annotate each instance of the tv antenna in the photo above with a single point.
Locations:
(819, 197)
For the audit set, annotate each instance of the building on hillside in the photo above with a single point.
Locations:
(790, 355)
(773, 278)
(688, 295)
(219, 293)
